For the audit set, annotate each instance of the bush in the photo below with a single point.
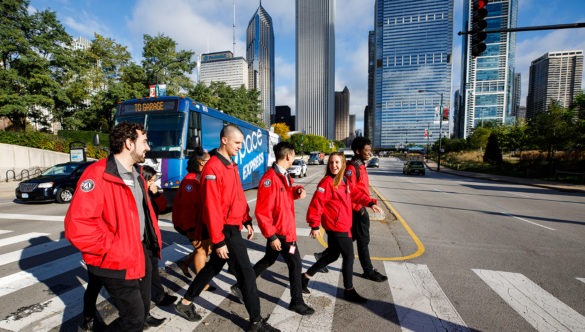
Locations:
(55, 143)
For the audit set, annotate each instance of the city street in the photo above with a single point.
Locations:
(461, 254)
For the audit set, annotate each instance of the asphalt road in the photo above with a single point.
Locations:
(461, 254)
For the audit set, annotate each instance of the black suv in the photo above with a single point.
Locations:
(55, 184)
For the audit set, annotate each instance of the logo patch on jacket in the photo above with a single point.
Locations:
(348, 172)
(267, 183)
(87, 185)
(210, 177)
(321, 190)
(189, 188)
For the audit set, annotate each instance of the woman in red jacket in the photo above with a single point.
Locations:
(331, 208)
(187, 214)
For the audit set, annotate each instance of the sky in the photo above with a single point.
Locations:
(207, 26)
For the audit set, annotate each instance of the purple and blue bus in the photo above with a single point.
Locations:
(176, 125)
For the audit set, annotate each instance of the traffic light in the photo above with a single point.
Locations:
(478, 25)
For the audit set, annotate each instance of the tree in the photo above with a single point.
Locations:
(552, 130)
(282, 129)
(164, 64)
(493, 154)
(478, 139)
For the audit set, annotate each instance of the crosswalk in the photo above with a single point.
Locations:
(419, 302)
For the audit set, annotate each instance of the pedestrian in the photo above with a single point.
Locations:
(187, 214)
(331, 208)
(159, 296)
(112, 222)
(357, 175)
(225, 210)
(275, 213)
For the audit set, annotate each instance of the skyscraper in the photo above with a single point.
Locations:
(487, 81)
(315, 66)
(554, 76)
(223, 67)
(342, 114)
(414, 41)
(260, 56)
(369, 109)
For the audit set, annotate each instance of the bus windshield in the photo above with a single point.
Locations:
(164, 132)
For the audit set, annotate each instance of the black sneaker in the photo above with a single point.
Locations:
(318, 255)
(301, 309)
(262, 326)
(374, 275)
(92, 324)
(305, 284)
(235, 290)
(187, 311)
(167, 300)
(152, 321)
(352, 296)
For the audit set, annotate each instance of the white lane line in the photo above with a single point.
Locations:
(20, 238)
(323, 287)
(421, 304)
(30, 217)
(68, 305)
(517, 194)
(537, 306)
(4, 231)
(581, 279)
(39, 249)
(528, 221)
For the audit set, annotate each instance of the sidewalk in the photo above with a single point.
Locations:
(7, 189)
(432, 165)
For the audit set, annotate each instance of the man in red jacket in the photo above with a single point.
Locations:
(225, 210)
(275, 213)
(112, 222)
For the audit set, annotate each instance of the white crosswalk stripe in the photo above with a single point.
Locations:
(421, 304)
(537, 306)
(419, 300)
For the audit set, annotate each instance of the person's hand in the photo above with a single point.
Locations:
(222, 252)
(276, 245)
(302, 193)
(153, 188)
(250, 232)
(376, 208)
(315, 233)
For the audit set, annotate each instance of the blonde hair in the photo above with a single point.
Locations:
(339, 177)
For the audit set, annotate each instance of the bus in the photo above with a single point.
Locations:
(176, 125)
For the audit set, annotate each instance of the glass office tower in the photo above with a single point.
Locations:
(260, 55)
(315, 67)
(414, 41)
(487, 81)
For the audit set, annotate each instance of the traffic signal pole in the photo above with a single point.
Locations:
(534, 28)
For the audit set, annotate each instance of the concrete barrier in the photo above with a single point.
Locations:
(16, 159)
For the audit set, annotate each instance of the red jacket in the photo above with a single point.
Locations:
(331, 206)
(187, 208)
(224, 202)
(102, 222)
(275, 209)
(362, 184)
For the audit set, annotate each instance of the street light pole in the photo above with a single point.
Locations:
(440, 131)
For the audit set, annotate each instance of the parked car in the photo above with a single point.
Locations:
(374, 162)
(413, 166)
(57, 183)
(298, 168)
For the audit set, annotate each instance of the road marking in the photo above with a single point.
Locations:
(323, 288)
(20, 238)
(581, 279)
(421, 304)
(537, 306)
(517, 194)
(4, 231)
(32, 251)
(30, 217)
(528, 221)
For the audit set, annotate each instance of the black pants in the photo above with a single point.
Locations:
(158, 292)
(240, 264)
(293, 261)
(338, 243)
(130, 297)
(360, 230)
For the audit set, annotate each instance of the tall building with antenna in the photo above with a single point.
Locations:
(260, 56)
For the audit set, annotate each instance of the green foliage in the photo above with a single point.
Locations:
(493, 154)
(306, 143)
(55, 143)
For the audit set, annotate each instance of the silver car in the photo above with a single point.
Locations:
(298, 168)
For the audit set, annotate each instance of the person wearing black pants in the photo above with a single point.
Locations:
(339, 243)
